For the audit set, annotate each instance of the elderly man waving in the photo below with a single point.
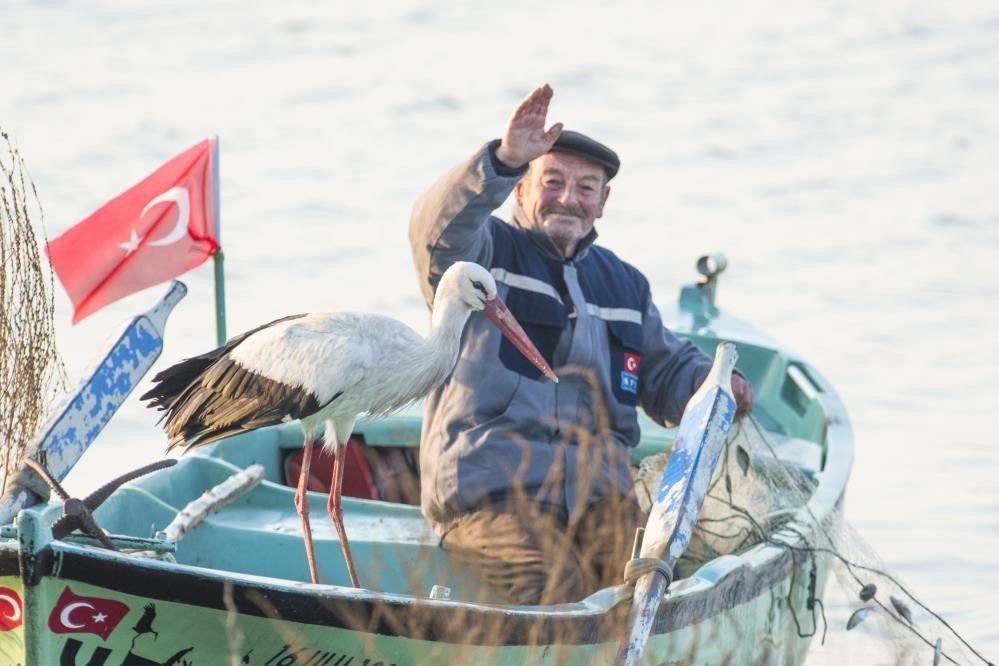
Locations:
(528, 481)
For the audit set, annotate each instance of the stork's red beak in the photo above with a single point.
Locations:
(500, 314)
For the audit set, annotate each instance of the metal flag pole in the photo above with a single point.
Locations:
(218, 256)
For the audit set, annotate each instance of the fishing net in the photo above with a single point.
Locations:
(863, 613)
(31, 372)
(752, 495)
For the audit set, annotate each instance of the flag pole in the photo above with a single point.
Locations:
(218, 257)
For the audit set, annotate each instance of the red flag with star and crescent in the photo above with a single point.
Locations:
(11, 609)
(160, 228)
(76, 614)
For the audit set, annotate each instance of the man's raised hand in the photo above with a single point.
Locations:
(525, 137)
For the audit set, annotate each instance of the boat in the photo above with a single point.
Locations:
(234, 589)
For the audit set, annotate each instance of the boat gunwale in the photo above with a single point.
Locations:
(370, 611)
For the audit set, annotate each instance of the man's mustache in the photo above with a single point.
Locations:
(559, 209)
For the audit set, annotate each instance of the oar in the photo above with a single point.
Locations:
(77, 421)
(699, 442)
(212, 500)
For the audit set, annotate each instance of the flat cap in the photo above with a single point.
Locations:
(577, 143)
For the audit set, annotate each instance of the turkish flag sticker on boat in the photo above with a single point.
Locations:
(74, 614)
(11, 609)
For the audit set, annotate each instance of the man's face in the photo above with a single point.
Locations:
(563, 195)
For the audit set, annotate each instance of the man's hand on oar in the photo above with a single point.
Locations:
(742, 391)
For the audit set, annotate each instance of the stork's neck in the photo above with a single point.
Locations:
(429, 364)
(421, 365)
(446, 324)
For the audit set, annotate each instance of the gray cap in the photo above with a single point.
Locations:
(576, 143)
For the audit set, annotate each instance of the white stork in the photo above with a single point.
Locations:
(326, 368)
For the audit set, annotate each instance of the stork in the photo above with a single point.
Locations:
(326, 368)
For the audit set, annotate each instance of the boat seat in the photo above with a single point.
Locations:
(387, 473)
(357, 478)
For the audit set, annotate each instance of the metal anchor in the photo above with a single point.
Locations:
(76, 513)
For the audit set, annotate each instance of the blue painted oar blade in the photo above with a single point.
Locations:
(77, 421)
(699, 442)
(696, 449)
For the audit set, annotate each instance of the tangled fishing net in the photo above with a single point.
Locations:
(31, 371)
(756, 498)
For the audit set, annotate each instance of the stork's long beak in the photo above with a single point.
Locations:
(500, 314)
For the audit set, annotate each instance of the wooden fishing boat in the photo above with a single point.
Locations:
(234, 589)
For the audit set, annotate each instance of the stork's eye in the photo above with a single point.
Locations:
(478, 285)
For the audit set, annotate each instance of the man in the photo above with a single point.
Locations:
(528, 481)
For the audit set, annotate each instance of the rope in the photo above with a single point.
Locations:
(31, 481)
(640, 566)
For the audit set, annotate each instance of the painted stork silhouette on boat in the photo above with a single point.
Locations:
(145, 624)
(326, 369)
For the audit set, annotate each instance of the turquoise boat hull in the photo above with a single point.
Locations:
(235, 589)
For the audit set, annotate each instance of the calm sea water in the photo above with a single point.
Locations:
(842, 154)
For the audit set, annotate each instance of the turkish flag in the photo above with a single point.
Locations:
(631, 362)
(162, 227)
(11, 609)
(74, 614)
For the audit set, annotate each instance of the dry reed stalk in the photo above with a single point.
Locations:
(32, 373)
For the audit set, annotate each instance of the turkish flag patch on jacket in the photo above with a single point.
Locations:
(75, 614)
(629, 374)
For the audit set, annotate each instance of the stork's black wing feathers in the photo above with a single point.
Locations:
(228, 399)
(209, 397)
(169, 383)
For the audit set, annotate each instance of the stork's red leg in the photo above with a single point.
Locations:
(302, 505)
(333, 505)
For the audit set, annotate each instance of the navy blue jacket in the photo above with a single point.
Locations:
(494, 430)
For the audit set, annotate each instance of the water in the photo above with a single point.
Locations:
(841, 154)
